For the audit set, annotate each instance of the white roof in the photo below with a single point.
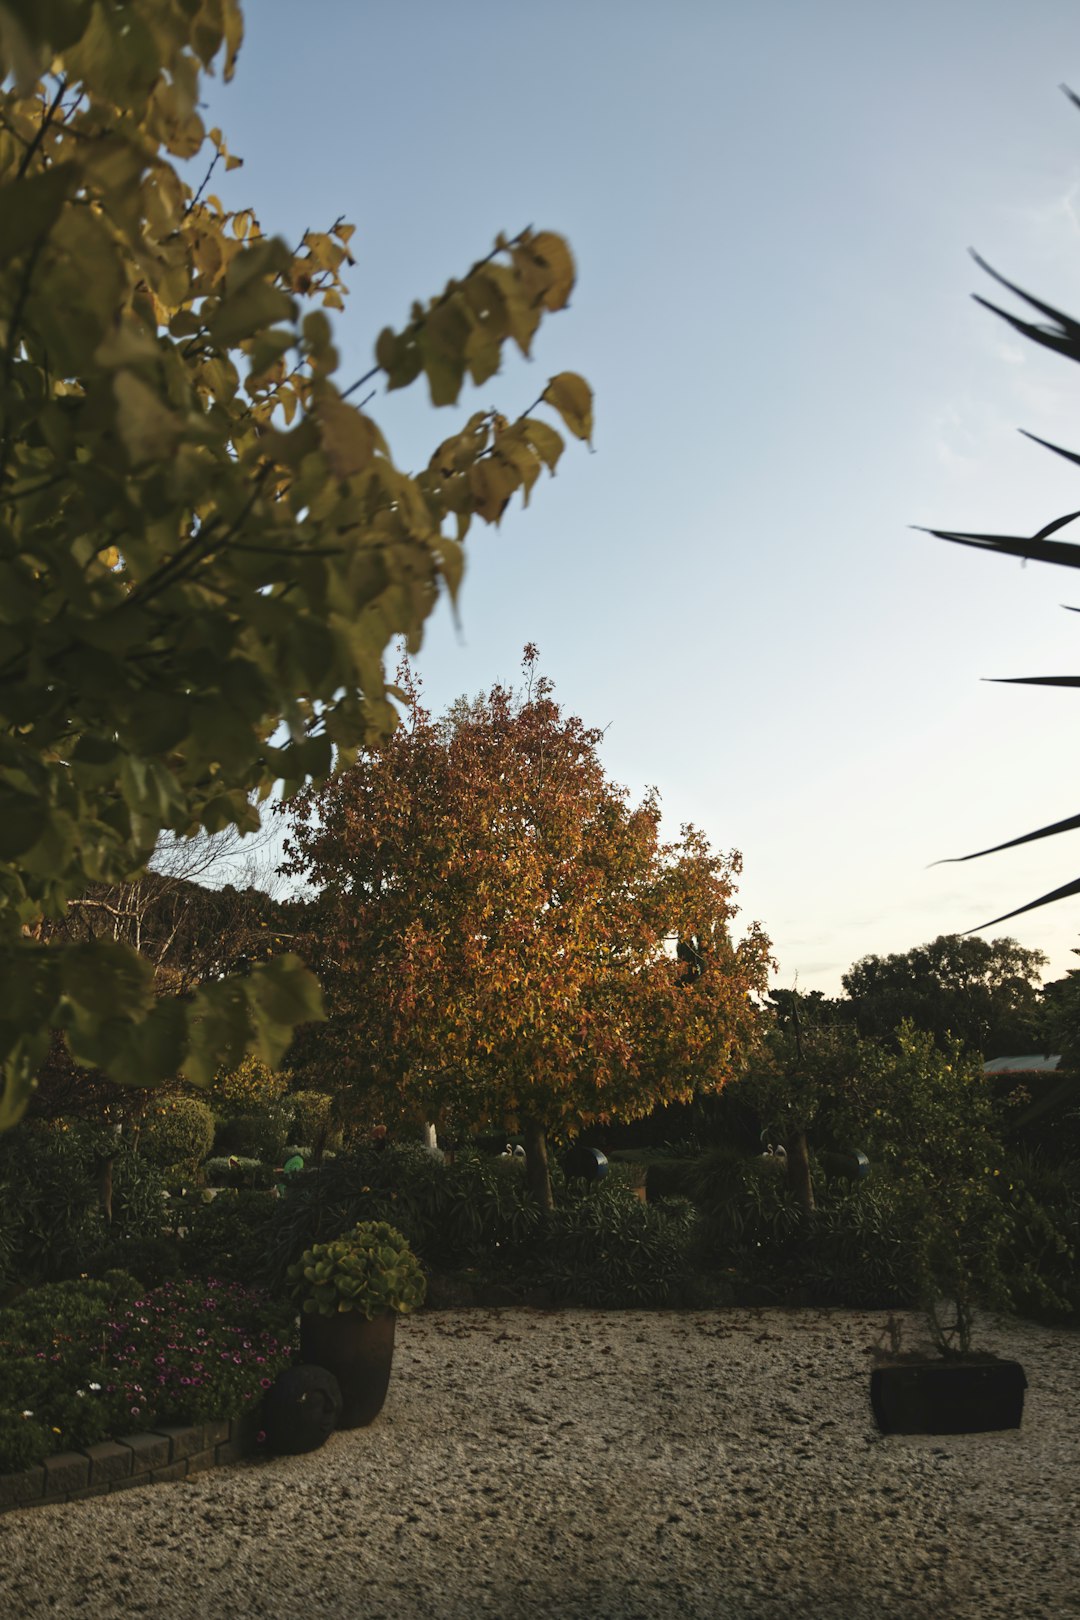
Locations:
(1021, 1065)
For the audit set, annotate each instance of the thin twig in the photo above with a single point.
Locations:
(41, 130)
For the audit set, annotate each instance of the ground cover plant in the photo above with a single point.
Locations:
(87, 1359)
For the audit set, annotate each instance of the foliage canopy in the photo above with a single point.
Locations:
(205, 548)
(495, 927)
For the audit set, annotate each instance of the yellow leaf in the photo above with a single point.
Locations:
(572, 398)
(554, 253)
(332, 299)
(348, 436)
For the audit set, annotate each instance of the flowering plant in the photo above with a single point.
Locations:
(369, 1270)
(83, 1360)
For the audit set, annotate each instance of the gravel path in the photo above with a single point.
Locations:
(603, 1466)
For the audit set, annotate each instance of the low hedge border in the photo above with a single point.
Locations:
(137, 1459)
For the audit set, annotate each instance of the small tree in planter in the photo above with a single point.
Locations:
(351, 1292)
(960, 1230)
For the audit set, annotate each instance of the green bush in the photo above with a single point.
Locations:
(153, 1260)
(470, 1212)
(255, 1136)
(176, 1134)
(606, 1248)
(52, 1222)
(312, 1118)
(1043, 1200)
(237, 1172)
(50, 1202)
(228, 1236)
(247, 1089)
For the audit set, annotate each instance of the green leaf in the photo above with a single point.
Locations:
(147, 427)
(348, 436)
(286, 993)
(30, 207)
(107, 978)
(257, 305)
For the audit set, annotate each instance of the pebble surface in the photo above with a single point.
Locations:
(603, 1466)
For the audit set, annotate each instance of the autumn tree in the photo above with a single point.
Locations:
(205, 544)
(497, 929)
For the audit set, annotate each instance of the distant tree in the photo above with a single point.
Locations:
(983, 993)
(1060, 1017)
(496, 928)
(205, 544)
(804, 1081)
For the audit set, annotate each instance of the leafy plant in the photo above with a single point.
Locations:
(204, 543)
(313, 1122)
(370, 1270)
(607, 1249)
(260, 1135)
(235, 1171)
(251, 1086)
(228, 1236)
(459, 855)
(177, 1133)
(1059, 333)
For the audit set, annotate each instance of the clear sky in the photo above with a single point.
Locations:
(770, 206)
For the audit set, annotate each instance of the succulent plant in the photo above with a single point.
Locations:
(368, 1270)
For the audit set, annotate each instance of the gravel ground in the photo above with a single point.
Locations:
(609, 1465)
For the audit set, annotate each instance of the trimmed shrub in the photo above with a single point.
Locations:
(254, 1136)
(177, 1133)
(312, 1121)
(237, 1172)
(247, 1089)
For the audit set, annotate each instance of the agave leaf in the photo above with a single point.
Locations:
(1066, 891)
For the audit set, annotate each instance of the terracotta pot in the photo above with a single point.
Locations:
(359, 1353)
(948, 1397)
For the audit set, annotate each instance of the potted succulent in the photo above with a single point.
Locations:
(351, 1292)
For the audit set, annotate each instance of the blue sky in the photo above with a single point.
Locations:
(770, 208)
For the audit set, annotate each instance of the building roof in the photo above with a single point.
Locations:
(1022, 1065)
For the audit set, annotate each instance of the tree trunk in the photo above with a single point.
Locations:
(105, 1170)
(537, 1173)
(798, 1171)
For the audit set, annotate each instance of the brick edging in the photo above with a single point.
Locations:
(135, 1459)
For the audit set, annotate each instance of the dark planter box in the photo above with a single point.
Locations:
(947, 1397)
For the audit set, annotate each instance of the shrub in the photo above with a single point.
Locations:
(152, 1260)
(228, 1236)
(254, 1136)
(453, 1215)
(177, 1133)
(247, 1089)
(312, 1118)
(238, 1172)
(50, 1202)
(607, 1249)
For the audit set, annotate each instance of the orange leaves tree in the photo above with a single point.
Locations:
(205, 542)
(501, 934)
